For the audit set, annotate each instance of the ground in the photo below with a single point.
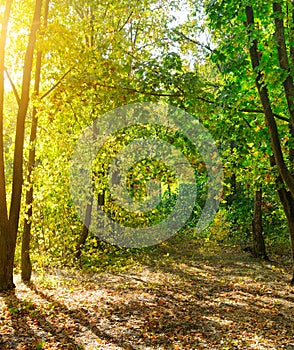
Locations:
(182, 296)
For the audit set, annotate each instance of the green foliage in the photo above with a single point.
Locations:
(98, 56)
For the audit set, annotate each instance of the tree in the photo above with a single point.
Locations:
(26, 265)
(9, 220)
(285, 170)
(106, 47)
(268, 51)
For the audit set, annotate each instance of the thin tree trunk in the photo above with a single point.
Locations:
(283, 57)
(258, 239)
(287, 201)
(85, 230)
(265, 101)
(285, 177)
(233, 180)
(26, 265)
(87, 223)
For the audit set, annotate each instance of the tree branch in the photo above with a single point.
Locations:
(196, 42)
(182, 94)
(159, 94)
(258, 111)
(13, 86)
(56, 84)
(126, 21)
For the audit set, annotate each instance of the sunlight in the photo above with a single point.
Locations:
(125, 127)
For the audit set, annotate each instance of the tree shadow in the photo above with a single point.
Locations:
(259, 306)
(82, 317)
(209, 314)
(185, 302)
(159, 324)
(22, 313)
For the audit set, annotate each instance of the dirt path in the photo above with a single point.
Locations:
(179, 298)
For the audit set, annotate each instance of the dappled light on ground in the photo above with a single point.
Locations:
(211, 301)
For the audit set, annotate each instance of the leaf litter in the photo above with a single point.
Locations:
(186, 299)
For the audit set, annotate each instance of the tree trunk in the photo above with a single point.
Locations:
(285, 177)
(87, 222)
(283, 57)
(26, 265)
(7, 248)
(262, 89)
(258, 239)
(85, 230)
(7, 251)
(288, 203)
(89, 208)
(9, 227)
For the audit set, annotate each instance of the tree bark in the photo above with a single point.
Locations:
(258, 239)
(7, 250)
(9, 227)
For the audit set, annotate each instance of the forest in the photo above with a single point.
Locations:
(146, 174)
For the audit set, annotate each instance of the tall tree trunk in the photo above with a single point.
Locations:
(286, 197)
(284, 171)
(6, 248)
(258, 239)
(26, 265)
(286, 177)
(9, 229)
(233, 179)
(288, 83)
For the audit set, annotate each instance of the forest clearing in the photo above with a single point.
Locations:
(180, 296)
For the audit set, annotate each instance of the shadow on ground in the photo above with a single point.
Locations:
(189, 298)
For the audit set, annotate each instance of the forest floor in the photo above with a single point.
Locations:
(180, 296)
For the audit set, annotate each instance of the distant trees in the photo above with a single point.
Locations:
(100, 45)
